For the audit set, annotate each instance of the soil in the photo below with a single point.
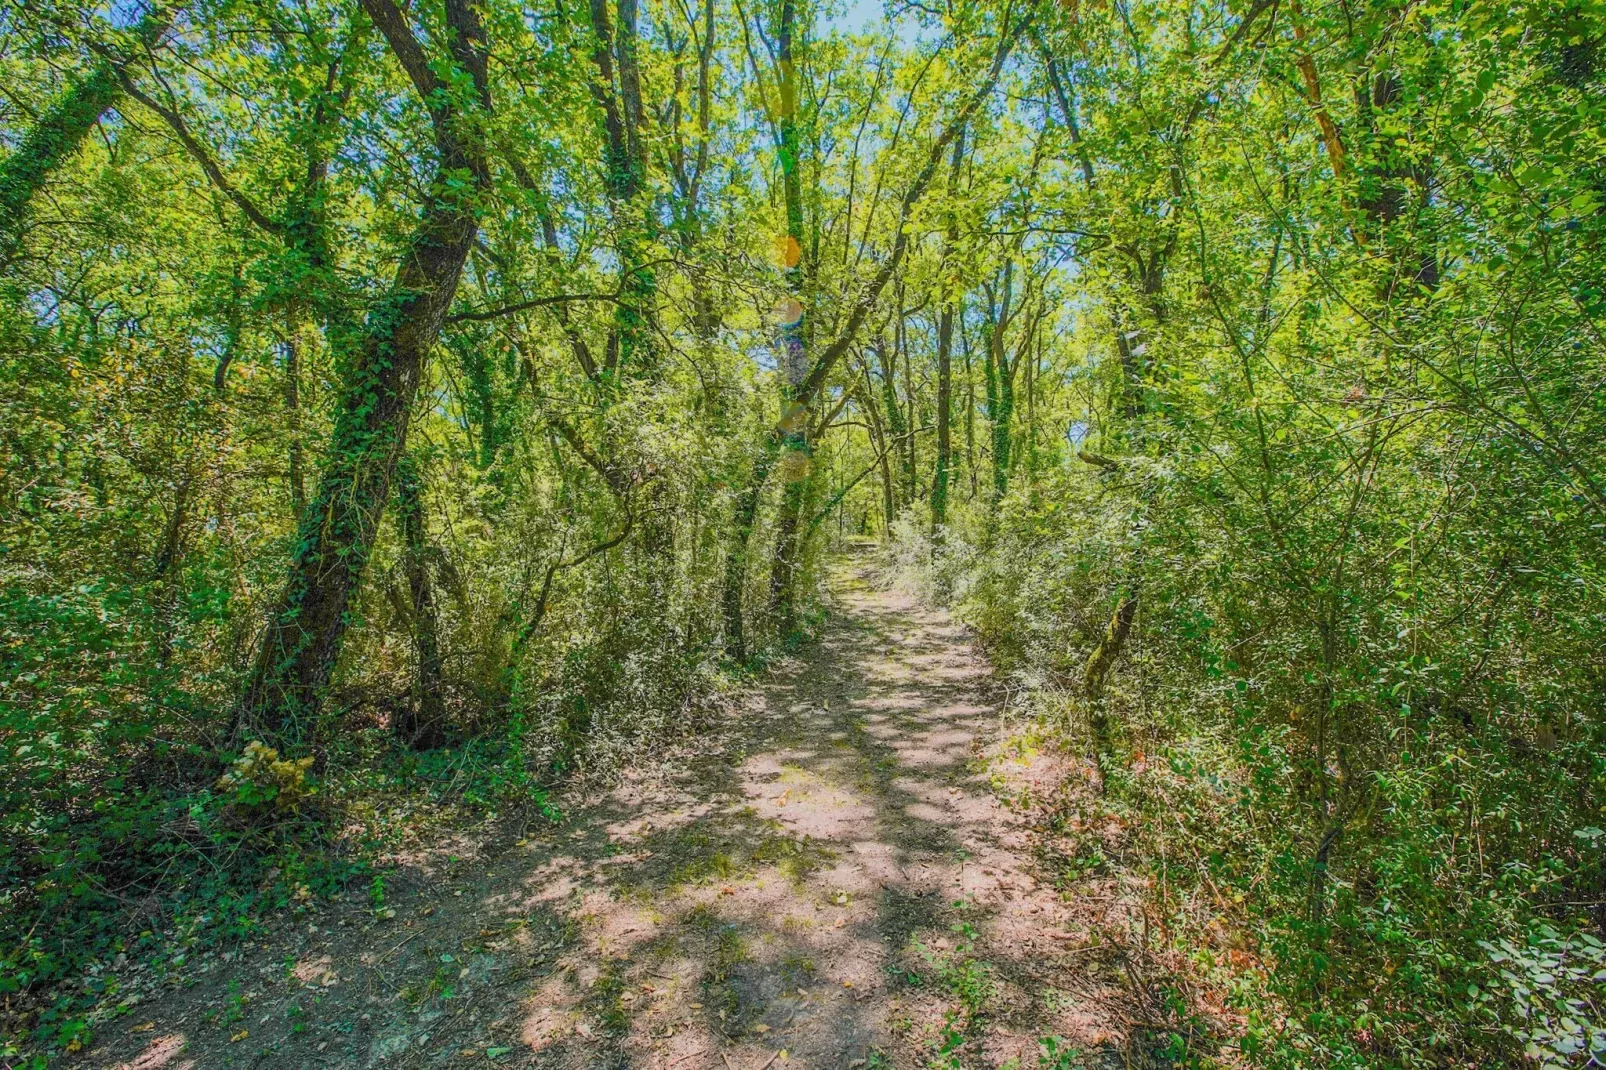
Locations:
(844, 874)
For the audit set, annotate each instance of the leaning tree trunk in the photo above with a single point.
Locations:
(1001, 412)
(55, 138)
(302, 640)
(1109, 649)
(896, 430)
(882, 444)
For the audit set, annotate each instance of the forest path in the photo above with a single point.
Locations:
(836, 879)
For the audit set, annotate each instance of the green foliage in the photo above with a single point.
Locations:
(1553, 983)
(259, 780)
(1335, 424)
(1274, 466)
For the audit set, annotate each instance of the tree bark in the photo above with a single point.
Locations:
(901, 349)
(743, 518)
(292, 412)
(55, 138)
(945, 350)
(882, 444)
(422, 722)
(302, 641)
(617, 91)
(970, 411)
(797, 451)
(896, 429)
(1110, 646)
(1000, 383)
(1098, 668)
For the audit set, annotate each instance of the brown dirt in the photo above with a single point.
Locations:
(842, 876)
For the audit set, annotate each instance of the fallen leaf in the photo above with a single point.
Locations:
(241, 1035)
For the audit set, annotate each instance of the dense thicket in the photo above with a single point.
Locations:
(460, 392)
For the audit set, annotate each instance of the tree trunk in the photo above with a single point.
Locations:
(292, 412)
(970, 412)
(906, 455)
(1098, 668)
(744, 515)
(896, 430)
(883, 447)
(1030, 450)
(55, 138)
(788, 549)
(797, 456)
(945, 355)
(1109, 648)
(617, 91)
(945, 362)
(1000, 408)
(302, 641)
(421, 722)
(940, 473)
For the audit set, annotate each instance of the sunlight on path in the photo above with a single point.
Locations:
(812, 902)
(834, 883)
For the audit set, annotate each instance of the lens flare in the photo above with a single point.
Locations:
(788, 253)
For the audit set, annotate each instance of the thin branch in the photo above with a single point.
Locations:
(527, 629)
(872, 292)
(479, 315)
(611, 475)
(198, 152)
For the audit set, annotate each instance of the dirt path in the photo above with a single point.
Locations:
(837, 881)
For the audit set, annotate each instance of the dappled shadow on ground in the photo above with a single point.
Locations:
(831, 883)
